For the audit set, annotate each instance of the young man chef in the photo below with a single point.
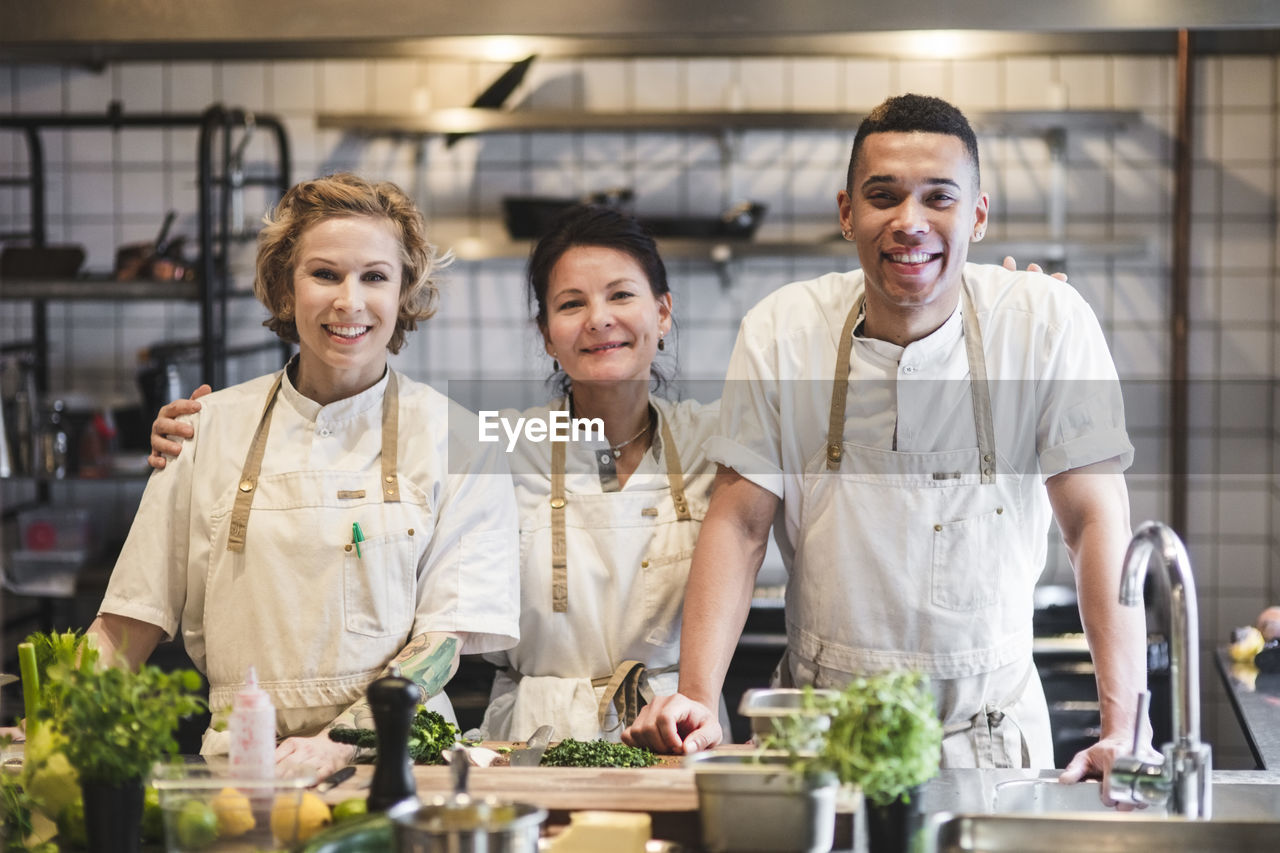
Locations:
(912, 502)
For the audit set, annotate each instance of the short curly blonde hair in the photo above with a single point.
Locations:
(310, 202)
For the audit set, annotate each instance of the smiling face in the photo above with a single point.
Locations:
(912, 208)
(346, 294)
(603, 321)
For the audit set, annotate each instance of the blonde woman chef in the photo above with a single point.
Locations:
(335, 517)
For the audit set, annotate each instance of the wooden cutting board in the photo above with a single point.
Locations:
(665, 787)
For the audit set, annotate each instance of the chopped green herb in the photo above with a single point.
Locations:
(596, 753)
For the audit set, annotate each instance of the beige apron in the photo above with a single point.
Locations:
(920, 560)
(288, 592)
(616, 615)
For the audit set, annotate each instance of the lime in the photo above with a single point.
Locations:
(197, 825)
(348, 809)
(152, 815)
(71, 831)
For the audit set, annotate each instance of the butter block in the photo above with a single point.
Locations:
(591, 832)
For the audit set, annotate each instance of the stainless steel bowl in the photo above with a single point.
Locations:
(463, 824)
(764, 707)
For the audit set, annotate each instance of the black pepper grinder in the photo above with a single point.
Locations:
(394, 700)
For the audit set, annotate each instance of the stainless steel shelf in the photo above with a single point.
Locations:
(468, 248)
(470, 120)
(89, 289)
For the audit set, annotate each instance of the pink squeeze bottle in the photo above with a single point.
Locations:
(252, 727)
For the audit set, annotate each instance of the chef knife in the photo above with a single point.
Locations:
(335, 779)
(532, 755)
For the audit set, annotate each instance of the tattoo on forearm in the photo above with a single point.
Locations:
(429, 668)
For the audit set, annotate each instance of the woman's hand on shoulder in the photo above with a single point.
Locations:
(1012, 266)
(167, 424)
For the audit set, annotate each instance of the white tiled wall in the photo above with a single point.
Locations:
(107, 188)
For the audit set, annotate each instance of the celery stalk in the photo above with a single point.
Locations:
(30, 684)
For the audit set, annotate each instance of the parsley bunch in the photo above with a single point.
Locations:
(118, 723)
(596, 753)
(885, 735)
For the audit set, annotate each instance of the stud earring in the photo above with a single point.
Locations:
(848, 234)
(662, 345)
(978, 235)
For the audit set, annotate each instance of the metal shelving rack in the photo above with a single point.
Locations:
(482, 241)
(220, 128)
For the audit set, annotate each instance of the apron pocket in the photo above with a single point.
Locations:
(966, 567)
(378, 598)
(664, 582)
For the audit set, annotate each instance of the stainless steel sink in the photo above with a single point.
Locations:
(1232, 800)
(1100, 833)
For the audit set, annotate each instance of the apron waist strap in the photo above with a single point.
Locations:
(624, 689)
(986, 726)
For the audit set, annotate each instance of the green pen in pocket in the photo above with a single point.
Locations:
(357, 537)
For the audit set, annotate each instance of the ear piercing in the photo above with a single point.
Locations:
(662, 344)
(848, 234)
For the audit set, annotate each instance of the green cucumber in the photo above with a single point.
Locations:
(367, 834)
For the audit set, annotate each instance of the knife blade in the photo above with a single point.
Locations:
(531, 756)
(335, 779)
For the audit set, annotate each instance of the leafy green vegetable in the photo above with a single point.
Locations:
(885, 735)
(118, 723)
(429, 735)
(596, 753)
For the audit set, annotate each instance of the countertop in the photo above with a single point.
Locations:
(1256, 698)
(668, 794)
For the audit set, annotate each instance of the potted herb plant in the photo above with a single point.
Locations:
(115, 724)
(885, 738)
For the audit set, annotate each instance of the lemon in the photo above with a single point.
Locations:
(235, 815)
(297, 820)
(197, 825)
(350, 808)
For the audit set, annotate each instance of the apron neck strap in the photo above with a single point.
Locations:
(559, 554)
(249, 473)
(979, 389)
(258, 448)
(675, 474)
(390, 438)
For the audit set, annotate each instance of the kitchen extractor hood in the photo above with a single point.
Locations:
(102, 30)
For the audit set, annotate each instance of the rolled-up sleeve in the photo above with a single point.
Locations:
(149, 581)
(749, 438)
(470, 573)
(1081, 404)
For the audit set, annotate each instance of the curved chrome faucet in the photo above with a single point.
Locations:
(1183, 778)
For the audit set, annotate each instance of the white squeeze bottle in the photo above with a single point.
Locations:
(252, 727)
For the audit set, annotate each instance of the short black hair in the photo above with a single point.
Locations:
(915, 114)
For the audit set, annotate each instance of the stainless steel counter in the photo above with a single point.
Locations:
(1256, 699)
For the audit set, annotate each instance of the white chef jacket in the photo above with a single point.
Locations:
(914, 595)
(628, 560)
(341, 621)
(1038, 333)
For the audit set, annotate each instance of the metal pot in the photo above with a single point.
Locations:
(461, 824)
